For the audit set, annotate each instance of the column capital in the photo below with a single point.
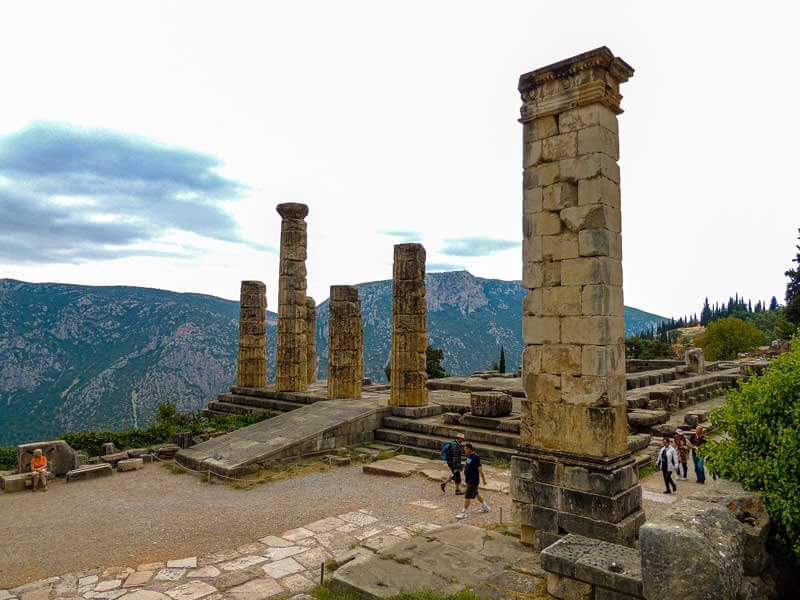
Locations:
(592, 77)
(292, 210)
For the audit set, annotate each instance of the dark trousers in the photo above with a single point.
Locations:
(685, 467)
(668, 480)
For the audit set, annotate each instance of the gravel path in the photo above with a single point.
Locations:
(154, 515)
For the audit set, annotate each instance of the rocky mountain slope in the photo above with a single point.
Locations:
(76, 357)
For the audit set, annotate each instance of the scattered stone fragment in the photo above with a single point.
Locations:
(89, 472)
(113, 459)
(130, 464)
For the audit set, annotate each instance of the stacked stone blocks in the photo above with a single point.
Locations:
(573, 426)
(409, 327)
(251, 367)
(346, 343)
(291, 364)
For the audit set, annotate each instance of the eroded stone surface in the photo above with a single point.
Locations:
(251, 365)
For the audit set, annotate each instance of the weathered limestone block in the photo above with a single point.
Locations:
(311, 339)
(409, 327)
(490, 404)
(89, 472)
(573, 366)
(130, 464)
(695, 361)
(108, 448)
(711, 544)
(113, 459)
(14, 482)
(346, 345)
(60, 456)
(291, 364)
(251, 366)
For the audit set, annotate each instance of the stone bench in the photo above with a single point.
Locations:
(17, 482)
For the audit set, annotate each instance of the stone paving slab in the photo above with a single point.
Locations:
(285, 565)
(497, 480)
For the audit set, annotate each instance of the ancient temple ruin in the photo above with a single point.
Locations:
(346, 343)
(291, 365)
(251, 366)
(311, 340)
(574, 472)
(409, 327)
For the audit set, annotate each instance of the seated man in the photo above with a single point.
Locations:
(39, 469)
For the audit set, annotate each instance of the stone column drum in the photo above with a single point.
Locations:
(346, 343)
(409, 327)
(574, 473)
(251, 367)
(291, 368)
(311, 340)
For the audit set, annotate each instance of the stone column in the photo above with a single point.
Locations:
(291, 369)
(346, 343)
(574, 473)
(251, 368)
(311, 340)
(409, 327)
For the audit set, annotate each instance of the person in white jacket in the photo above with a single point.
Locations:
(667, 462)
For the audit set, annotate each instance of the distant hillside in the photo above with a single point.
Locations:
(76, 357)
(469, 318)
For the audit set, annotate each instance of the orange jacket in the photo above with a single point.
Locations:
(38, 462)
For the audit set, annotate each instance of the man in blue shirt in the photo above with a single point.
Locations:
(473, 475)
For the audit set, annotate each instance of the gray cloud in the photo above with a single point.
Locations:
(433, 267)
(476, 246)
(404, 235)
(123, 189)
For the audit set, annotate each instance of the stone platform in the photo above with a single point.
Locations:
(447, 560)
(308, 430)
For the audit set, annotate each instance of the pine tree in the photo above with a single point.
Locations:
(792, 309)
(501, 364)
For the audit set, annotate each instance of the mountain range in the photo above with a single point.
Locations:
(76, 357)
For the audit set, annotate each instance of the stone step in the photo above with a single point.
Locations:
(473, 434)
(431, 444)
(272, 404)
(270, 393)
(225, 408)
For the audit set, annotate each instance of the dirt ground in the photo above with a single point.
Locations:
(154, 515)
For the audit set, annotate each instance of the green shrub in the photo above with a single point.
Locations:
(725, 338)
(760, 445)
(8, 457)
(646, 349)
(168, 422)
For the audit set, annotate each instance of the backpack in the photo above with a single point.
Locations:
(445, 452)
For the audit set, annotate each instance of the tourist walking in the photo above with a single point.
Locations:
(473, 475)
(667, 462)
(695, 442)
(452, 452)
(39, 470)
(682, 447)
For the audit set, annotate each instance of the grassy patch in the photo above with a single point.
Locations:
(646, 471)
(325, 593)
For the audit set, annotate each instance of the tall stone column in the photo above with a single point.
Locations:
(346, 343)
(574, 473)
(311, 340)
(409, 327)
(291, 368)
(251, 368)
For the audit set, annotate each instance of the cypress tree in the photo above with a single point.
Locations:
(501, 364)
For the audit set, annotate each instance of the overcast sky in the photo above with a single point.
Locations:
(147, 143)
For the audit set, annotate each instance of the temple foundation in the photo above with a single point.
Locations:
(574, 473)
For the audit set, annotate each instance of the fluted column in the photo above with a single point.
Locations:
(251, 367)
(291, 368)
(409, 327)
(311, 340)
(346, 343)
